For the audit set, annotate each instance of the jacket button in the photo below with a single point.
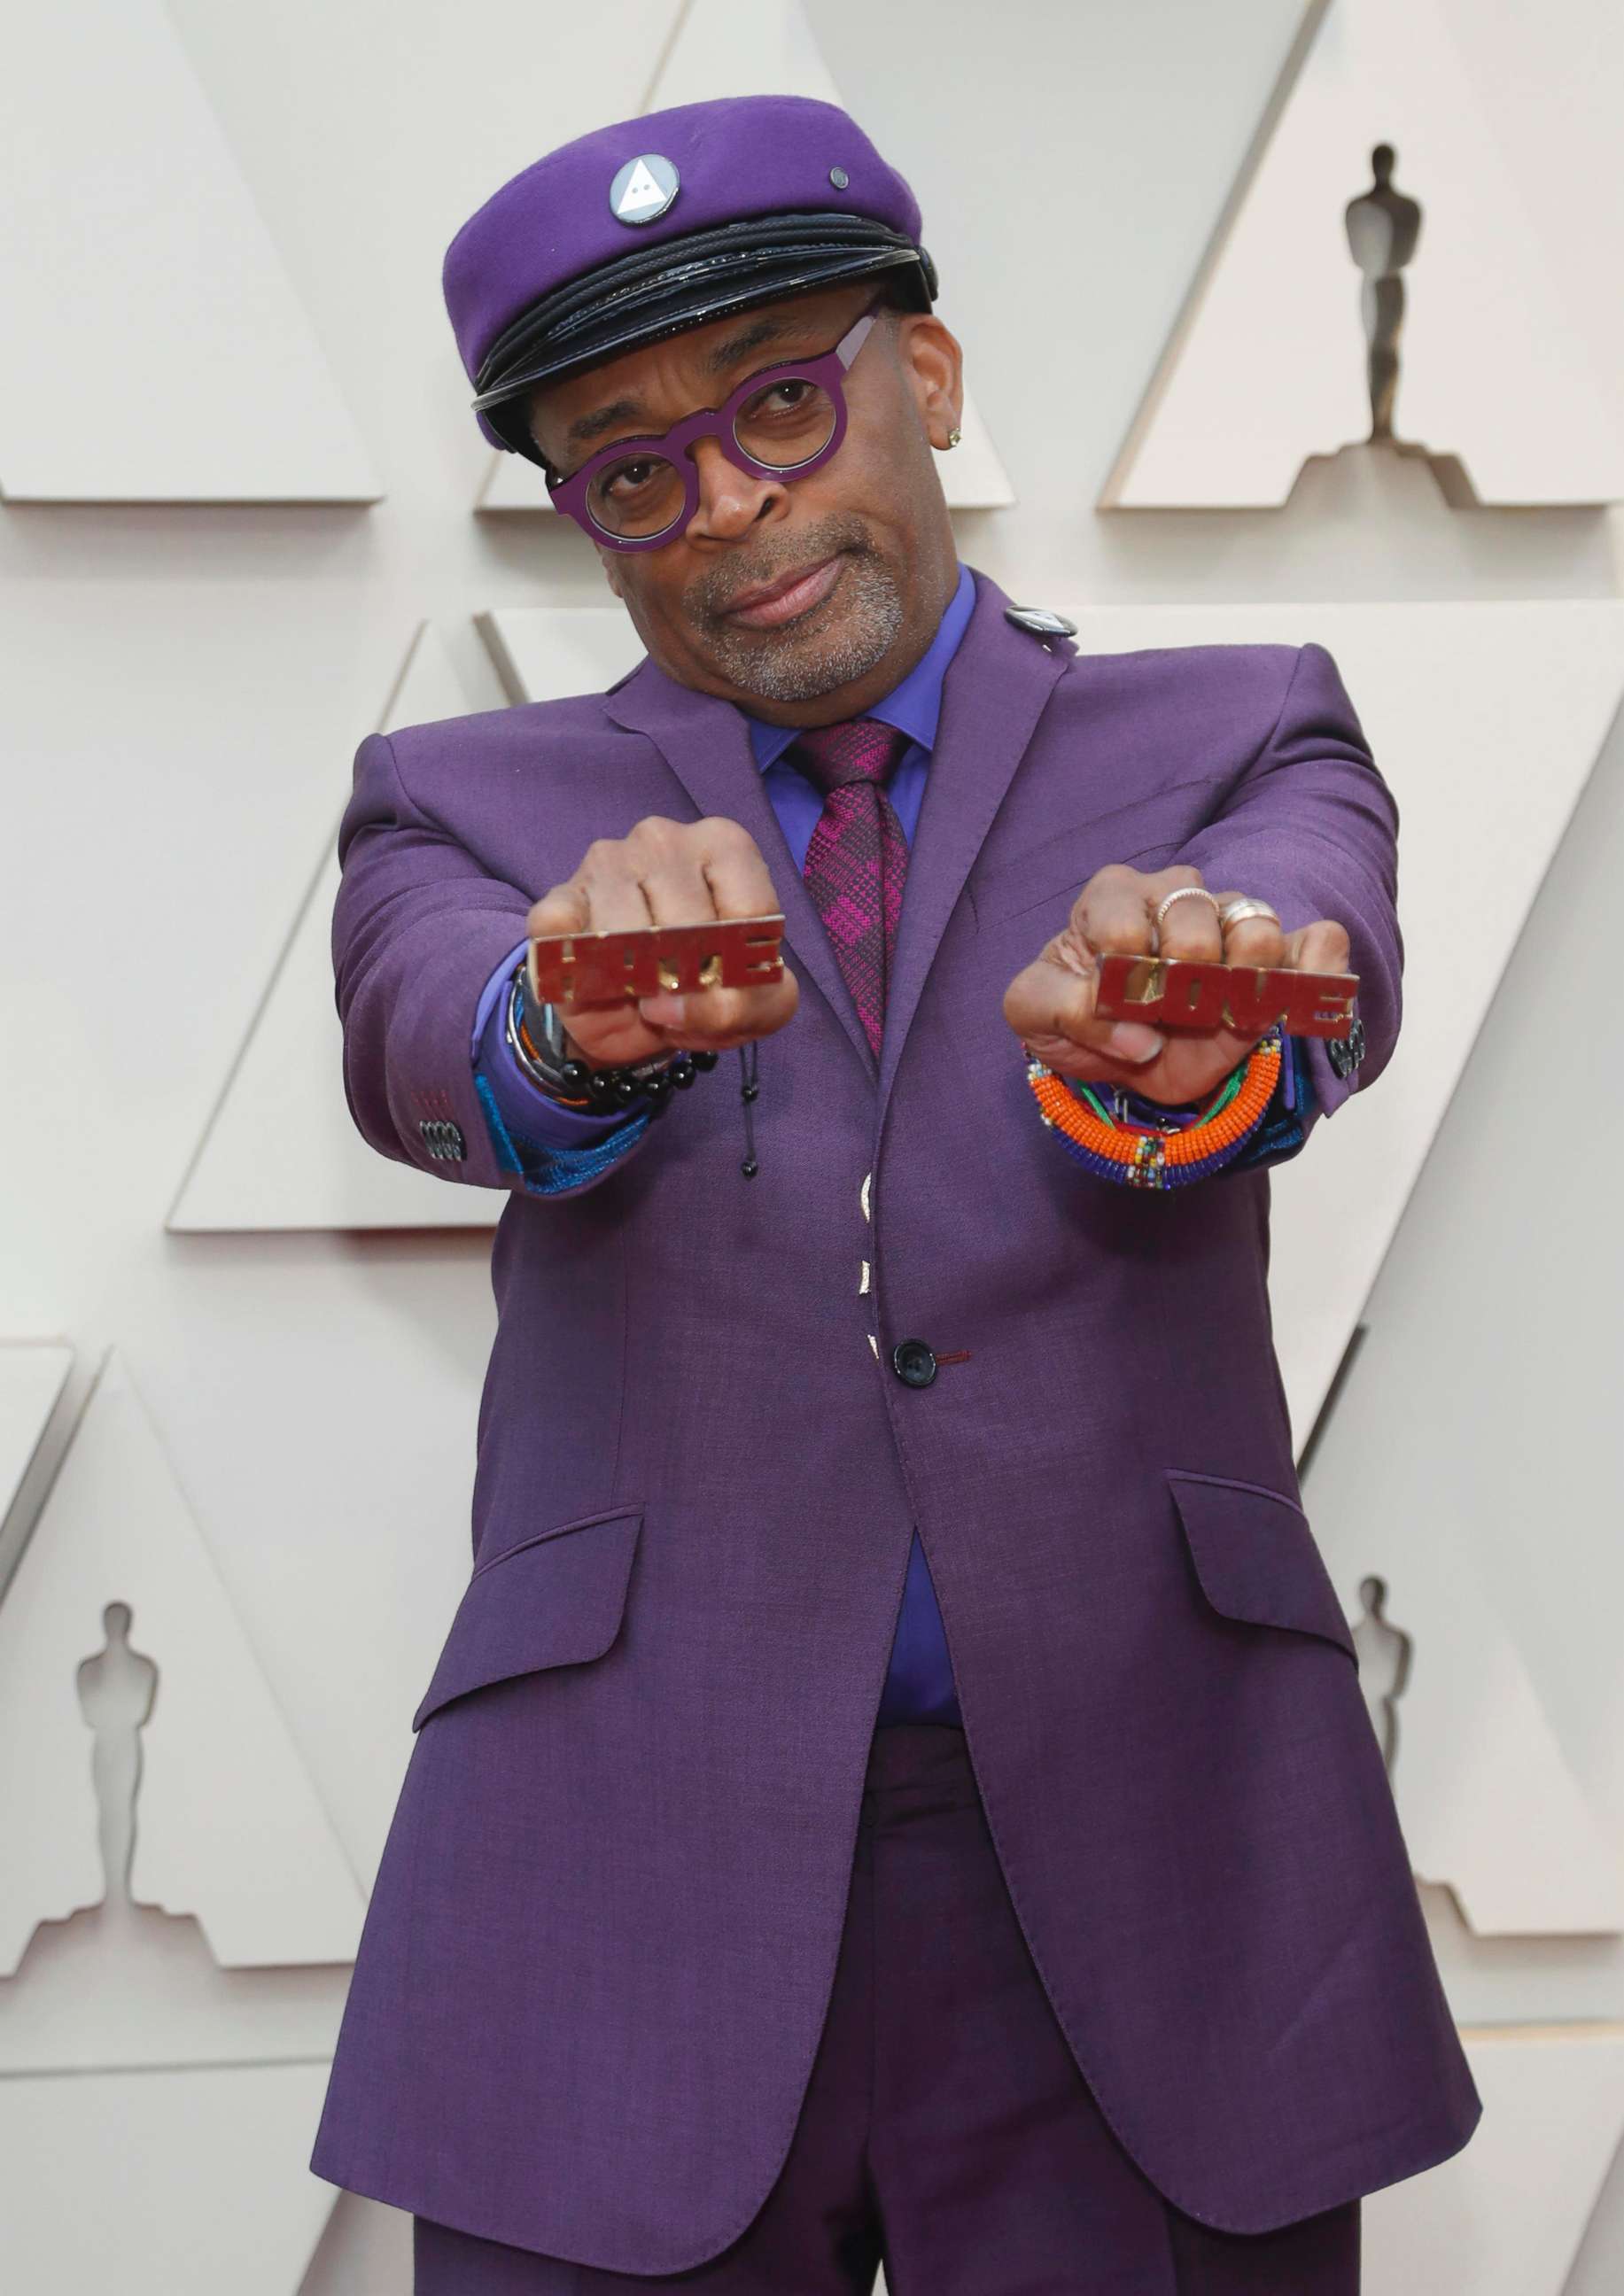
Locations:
(442, 1138)
(912, 1363)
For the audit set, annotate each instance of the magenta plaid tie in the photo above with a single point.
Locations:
(858, 856)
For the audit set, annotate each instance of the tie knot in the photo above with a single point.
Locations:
(856, 750)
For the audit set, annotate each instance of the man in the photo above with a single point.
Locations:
(897, 1788)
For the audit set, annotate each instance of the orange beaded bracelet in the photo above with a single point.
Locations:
(1166, 1160)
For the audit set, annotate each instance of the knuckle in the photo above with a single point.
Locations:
(772, 1006)
(558, 900)
(725, 837)
(1122, 934)
(717, 1012)
(1018, 1002)
(1191, 936)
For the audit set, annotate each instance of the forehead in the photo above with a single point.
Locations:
(640, 388)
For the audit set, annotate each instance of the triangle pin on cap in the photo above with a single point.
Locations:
(644, 188)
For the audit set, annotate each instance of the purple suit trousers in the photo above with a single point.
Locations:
(603, 1933)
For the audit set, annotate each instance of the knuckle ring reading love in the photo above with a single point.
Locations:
(1180, 893)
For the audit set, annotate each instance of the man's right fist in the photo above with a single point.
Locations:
(668, 873)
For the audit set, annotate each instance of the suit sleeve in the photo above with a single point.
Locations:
(419, 927)
(1312, 828)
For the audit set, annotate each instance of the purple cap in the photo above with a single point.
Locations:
(661, 222)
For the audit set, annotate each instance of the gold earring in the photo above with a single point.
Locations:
(954, 437)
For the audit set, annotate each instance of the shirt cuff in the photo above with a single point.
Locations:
(1285, 1121)
(547, 1169)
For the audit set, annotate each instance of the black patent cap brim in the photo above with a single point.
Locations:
(656, 292)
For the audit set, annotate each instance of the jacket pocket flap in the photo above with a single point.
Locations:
(553, 1600)
(1256, 1557)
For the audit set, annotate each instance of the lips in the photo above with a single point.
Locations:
(786, 600)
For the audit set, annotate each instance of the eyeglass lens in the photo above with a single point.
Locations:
(783, 425)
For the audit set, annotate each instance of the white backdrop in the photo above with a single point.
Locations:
(184, 685)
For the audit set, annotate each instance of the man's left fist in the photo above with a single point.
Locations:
(1050, 1006)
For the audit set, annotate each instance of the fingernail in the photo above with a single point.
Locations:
(1134, 1041)
(663, 1011)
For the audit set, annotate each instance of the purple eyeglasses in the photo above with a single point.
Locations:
(781, 422)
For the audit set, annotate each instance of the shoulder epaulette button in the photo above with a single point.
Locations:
(1041, 622)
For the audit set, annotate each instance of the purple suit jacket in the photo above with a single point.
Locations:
(600, 1940)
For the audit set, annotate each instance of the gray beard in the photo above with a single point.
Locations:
(792, 668)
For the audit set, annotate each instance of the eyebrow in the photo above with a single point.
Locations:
(750, 339)
(715, 361)
(592, 426)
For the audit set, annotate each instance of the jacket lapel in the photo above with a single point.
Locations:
(993, 695)
(706, 743)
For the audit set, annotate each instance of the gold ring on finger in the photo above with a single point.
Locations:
(1236, 913)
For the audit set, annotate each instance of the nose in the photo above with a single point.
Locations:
(730, 500)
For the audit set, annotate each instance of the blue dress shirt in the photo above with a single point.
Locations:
(559, 1148)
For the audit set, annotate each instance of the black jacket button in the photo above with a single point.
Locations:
(912, 1363)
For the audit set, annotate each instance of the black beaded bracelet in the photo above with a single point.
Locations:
(646, 1085)
(604, 1090)
(599, 1091)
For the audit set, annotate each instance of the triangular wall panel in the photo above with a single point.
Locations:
(228, 1824)
(191, 2182)
(543, 650)
(1490, 1806)
(140, 1992)
(1506, 2216)
(32, 1376)
(1460, 1462)
(287, 1085)
(1266, 364)
(513, 483)
(740, 47)
(762, 47)
(154, 348)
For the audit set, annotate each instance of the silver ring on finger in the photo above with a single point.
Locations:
(1236, 913)
(1180, 893)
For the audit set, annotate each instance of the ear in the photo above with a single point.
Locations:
(933, 363)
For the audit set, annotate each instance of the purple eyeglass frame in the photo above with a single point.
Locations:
(827, 370)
